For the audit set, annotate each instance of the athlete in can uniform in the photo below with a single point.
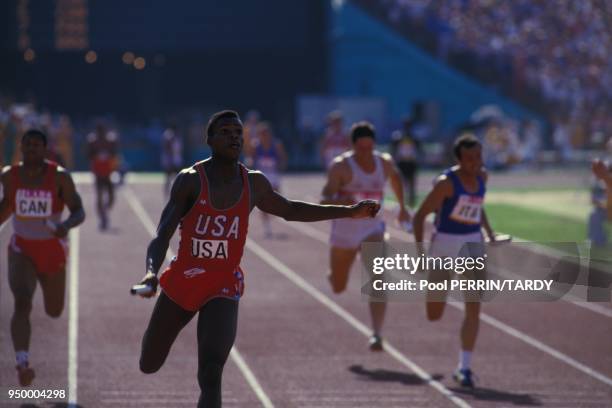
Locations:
(212, 201)
(36, 192)
(270, 158)
(457, 200)
(103, 152)
(358, 174)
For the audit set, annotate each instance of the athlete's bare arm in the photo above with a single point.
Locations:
(184, 191)
(73, 201)
(5, 205)
(442, 190)
(395, 179)
(270, 201)
(337, 177)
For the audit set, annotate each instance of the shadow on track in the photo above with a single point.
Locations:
(488, 394)
(389, 375)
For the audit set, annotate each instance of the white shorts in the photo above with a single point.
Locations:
(453, 245)
(350, 234)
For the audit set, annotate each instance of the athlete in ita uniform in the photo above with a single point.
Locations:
(359, 174)
(457, 200)
(103, 155)
(36, 192)
(270, 158)
(211, 201)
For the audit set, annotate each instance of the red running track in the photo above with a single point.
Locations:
(303, 345)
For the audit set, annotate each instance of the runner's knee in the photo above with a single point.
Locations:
(149, 366)
(55, 310)
(23, 305)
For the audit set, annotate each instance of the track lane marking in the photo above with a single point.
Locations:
(73, 318)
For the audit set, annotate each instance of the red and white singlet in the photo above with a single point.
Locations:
(32, 207)
(210, 249)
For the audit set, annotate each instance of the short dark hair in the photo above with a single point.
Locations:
(466, 141)
(224, 114)
(37, 133)
(362, 129)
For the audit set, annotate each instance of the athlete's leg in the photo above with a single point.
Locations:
(53, 288)
(377, 308)
(469, 332)
(436, 299)
(110, 188)
(217, 324)
(340, 262)
(101, 207)
(22, 281)
(411, 180)
(167, 320)
(469, 328)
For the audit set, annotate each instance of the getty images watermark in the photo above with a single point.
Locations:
(510, 272)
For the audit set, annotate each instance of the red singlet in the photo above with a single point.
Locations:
(32, 206)
(210, 249)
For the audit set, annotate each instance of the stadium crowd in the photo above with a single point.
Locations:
(554, 52)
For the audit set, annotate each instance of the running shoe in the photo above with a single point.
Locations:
(376, 343)
(463, 376)
(25, 374)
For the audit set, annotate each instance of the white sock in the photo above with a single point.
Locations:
(465, 358)
(21, 357)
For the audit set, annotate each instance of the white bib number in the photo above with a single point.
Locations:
(209, 248)
(467, 210)
(33, 203)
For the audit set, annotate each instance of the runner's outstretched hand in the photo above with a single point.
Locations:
(365, 209)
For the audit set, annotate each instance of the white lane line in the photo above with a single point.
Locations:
(235, 355)
(250, 377)
(350, 319)
(313, 233)
(541, 346)
(73, 319)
